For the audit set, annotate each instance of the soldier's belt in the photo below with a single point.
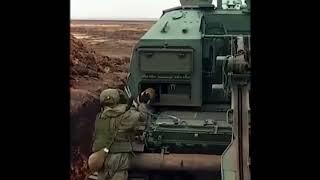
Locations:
(121, 147)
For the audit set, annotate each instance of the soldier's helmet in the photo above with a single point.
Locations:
(109, 97)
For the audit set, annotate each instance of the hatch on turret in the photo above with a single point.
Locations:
(179, 24)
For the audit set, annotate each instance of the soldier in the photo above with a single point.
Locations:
(114, 131)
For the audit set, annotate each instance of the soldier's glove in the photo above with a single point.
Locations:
(97, 159)
(143, 108)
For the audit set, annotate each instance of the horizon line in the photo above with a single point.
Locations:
(101, 19)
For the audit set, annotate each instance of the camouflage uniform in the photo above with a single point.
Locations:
(115, 130)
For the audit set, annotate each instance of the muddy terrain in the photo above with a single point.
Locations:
(99, 58)
(110, 38)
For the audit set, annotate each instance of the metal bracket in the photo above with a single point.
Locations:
(164, 151)
(230, 116)
(240, 79)
(162, 157)
(216, 129)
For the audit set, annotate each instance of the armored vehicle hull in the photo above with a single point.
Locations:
(189, 127)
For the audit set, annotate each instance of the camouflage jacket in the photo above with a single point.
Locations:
(115, 125)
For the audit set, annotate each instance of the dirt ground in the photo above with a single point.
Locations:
(113, 41)
(110, 38)
(99, 58)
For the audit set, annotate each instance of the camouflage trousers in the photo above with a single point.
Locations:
(115, 167)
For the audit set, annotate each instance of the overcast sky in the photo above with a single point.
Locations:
(104, 9)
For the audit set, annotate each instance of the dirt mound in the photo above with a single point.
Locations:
(79, 168)
(84, 108)
(83, 60)
(87, 65)
(90, 74)
(117, 64)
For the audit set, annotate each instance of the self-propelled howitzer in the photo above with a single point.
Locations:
(186, 58)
